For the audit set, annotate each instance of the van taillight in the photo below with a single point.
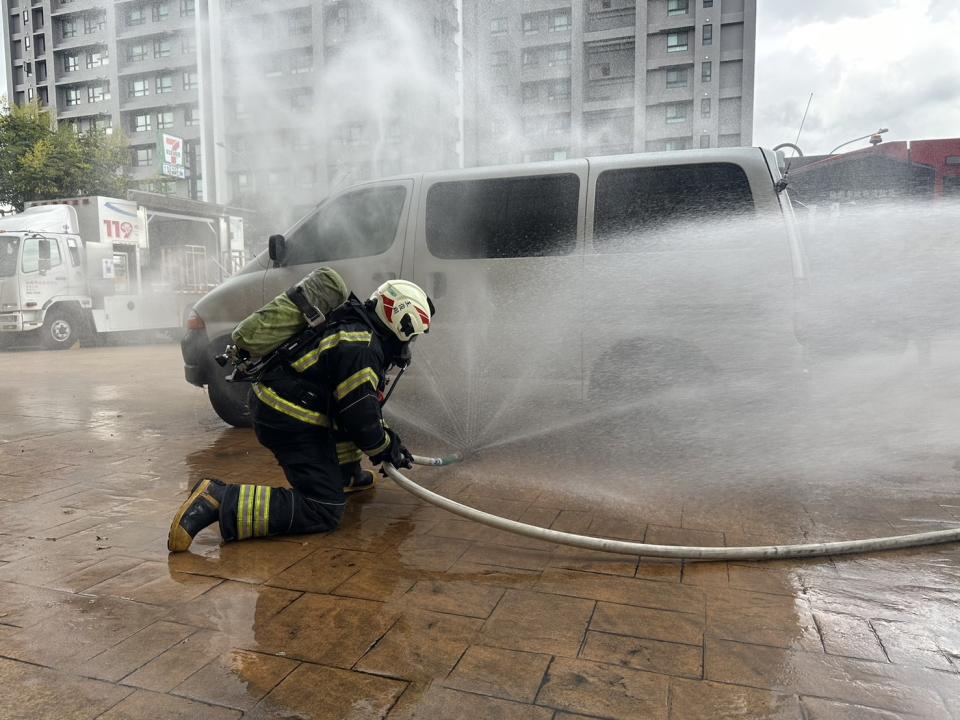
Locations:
(194, 321)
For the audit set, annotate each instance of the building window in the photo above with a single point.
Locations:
(301, 61)
(188, 43)
(708, 3)
(529, 24)
(161, 48)
(499, 58)
(675, 145)
(165, 120)
(499, 26)
(191, 80)
(164, 84)
(97, 58)
(71, 97)
(40, 45)
(678, 7)
(300, 99)
(676, 78)
(141, 123)
(71, 62)
(135, 15)
(558, 91)
(708, 34)
(188, 8)
(676, 113)
(138, 88)
(560, 56)
(272, 66)
(677, 42)
(28, 68)
(143, 156)
(299, 22)
(705, 107)
(191, 116)
(704, 141)
(26, 42)
(30, 96)
(560, 21)
(530, 58)
(104, 123)
(530, 92)
(98, 93)
(706, 71)
(94, 22)
(136, 53)
(161, 11)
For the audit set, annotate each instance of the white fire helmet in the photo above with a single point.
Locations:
(404, 308)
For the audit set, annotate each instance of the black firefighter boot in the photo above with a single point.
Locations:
(199, 510)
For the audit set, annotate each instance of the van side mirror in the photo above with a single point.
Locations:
(43, 263)
(277, 249)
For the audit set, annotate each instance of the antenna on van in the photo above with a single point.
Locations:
(782, 182)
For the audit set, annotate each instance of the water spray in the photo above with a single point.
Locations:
(676, 552)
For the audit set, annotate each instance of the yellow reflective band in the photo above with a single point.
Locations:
(380, 448)
(255, 511)
(270, 398)
(245, 512)
(311, 358)
(265, 513)
(367, 375)
(351, 457)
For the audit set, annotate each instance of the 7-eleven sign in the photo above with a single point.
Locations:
(172, 149)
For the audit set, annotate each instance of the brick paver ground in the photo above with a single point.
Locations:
(409, 612)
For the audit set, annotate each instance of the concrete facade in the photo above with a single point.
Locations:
(549, 79)
(128, 65)
(304, 96)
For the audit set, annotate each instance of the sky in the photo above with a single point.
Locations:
(869, 64)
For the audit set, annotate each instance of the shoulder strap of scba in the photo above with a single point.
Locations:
(313, 316)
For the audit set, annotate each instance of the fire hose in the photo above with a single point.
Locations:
(678, 552)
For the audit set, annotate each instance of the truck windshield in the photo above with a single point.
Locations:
(9, 252)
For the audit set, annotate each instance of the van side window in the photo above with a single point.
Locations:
(74, 250)
(635, 207)
(31, 255)
(503, 218)
(357, 224)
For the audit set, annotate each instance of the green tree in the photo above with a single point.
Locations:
(40, 160)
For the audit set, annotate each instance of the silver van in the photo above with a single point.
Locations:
(577, 280)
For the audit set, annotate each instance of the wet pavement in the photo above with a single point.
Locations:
(410, 612)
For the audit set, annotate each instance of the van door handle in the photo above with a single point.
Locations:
(381, 278)
(438, 281)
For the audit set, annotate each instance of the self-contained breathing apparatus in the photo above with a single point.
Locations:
(250, 369)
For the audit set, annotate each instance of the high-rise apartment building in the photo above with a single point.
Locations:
(126, 64)
(303, 96)
(550, 79)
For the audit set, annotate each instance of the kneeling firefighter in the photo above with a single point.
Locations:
(318, 409)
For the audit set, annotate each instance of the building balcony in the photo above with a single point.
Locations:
(159, 102)
(657, 93)
(613, 89)
(172, 24)
(544, 37)
(80, 40)
(176, 62)
(62, 9)
(532, 6)
(658, 57)
(82, 75)
(623, 148)
(84, 109)
(658, 129)
(545, 107)
(543, 71)
(616, 20)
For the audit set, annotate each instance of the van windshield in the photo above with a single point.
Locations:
(9, 251)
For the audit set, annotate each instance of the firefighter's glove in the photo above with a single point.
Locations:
(395, 454)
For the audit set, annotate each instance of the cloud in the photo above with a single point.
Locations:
(895, 68)
(778, 11)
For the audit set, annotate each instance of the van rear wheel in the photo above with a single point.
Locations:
(229, 400)
(60, 330)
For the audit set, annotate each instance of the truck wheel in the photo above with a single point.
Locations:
(60, 331)
(229, 400)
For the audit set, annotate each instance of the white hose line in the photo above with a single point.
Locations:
(680, 552)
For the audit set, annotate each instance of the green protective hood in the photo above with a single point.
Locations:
(267, 328)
